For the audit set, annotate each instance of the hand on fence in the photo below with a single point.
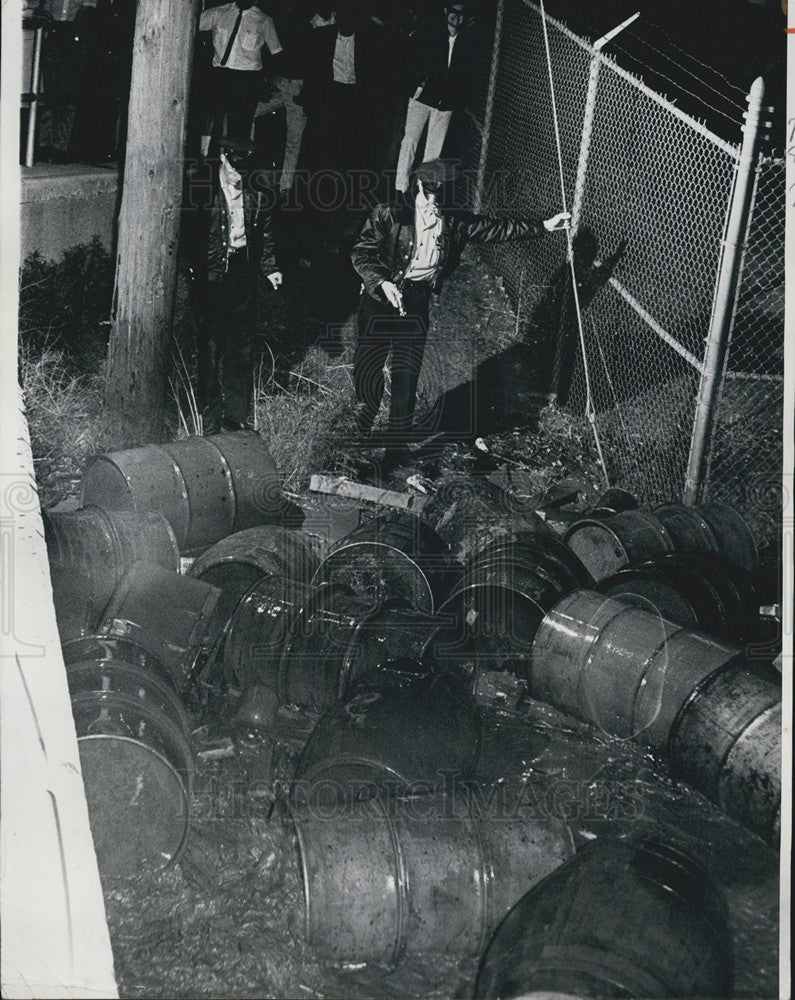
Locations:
(559, 221)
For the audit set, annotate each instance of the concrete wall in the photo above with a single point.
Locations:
(63, 205)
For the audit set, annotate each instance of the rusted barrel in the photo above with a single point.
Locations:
(90, 549)
(135, 755)
(402, 729)
(622, 918)
(732, 533)
(236, 563)
(613, 501)
(392, 556)
(699, 590)
(688, 529)
(604, 545)
(492, 615)
(205, 487)
(423, 874)
(259, 628)
(621, 667)
(726, 742)
(164, 612)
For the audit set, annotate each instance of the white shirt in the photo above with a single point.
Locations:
(428, 227)
(344, 65)
(232, 187)
(256, 29)
(450, 43)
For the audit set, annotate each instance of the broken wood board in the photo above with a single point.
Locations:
(340, 486)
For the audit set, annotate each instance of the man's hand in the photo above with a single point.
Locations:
(559, 221)
(393, 296)
(276, 279)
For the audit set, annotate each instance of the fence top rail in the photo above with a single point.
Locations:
(731, 149)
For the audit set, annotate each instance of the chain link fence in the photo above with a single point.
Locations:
(650, 189)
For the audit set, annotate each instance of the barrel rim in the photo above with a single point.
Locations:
(318, 576)
(738, 660)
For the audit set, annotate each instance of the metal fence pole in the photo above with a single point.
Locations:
(484, 142)
(587, 121)
(725, 294)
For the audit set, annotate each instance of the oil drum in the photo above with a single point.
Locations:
(732, 533)
(383, 881)
(236, 563)
(606, 544)
(491, 617)
(699, 590)
(138, 771)
(164, 612)
(90, 549)
(613, 501)
(726, 742)
(399, 729)
(259, 627)
(688, 529)
(205, 487)
(621, 667)
(623, 918)
(392, 556)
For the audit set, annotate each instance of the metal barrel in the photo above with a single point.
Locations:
(395, 555)
(100, 663)
(236, 563)
(604, 545)
(726, 742)
(405, 728)
(164, 612)
(491, 617)
(90, 549)
(732, 533)
(384, 881)
(623, 918)
(316, 665)
(700, 590)
(259, 628)
(206, 488)
(392, 630)
(138, 775)
(466, 509)
(613, 501)
(688, 529)
(620, 667)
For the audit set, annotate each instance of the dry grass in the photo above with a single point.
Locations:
(63, 411)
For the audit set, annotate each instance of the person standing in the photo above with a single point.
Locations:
(229, 240)
(404, 254)
(239, 32)
(442, 53)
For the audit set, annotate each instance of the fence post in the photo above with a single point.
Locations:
(484, 142)
(725, 295)
(587, 121)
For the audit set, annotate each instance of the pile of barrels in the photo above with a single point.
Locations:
(634, 621)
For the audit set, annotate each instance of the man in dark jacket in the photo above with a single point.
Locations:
(229, 239)
(404, 253)
(442, 51)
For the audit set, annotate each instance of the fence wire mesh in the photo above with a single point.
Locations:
(746, 449)
(655, 190)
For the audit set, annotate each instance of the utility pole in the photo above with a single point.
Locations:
(146, 265)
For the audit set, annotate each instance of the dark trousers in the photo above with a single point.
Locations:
(380, 329)
(225, 315)
(234, 93)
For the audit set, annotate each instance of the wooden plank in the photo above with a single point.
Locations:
(342, 487)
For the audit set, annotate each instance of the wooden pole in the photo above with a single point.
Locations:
(138, 353)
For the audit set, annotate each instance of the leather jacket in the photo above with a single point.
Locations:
(386, 243)
(207, 233)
